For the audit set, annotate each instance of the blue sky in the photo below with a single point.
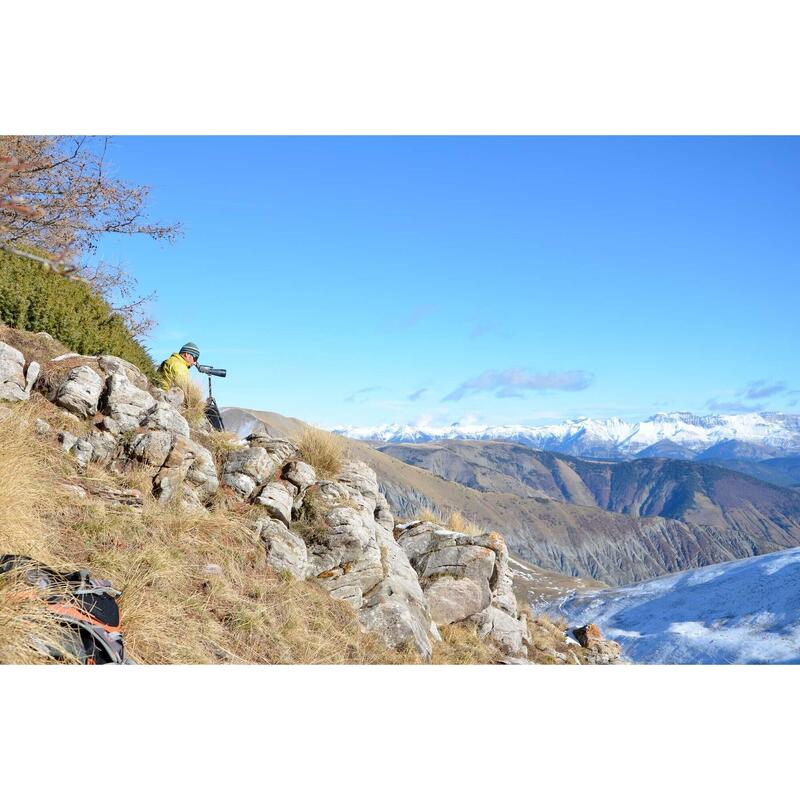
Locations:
(364, 280)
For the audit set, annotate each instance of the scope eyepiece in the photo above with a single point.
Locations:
(216, 371)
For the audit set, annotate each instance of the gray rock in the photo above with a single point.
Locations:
(174, 396)
(164, 417)
(362, 478)
(127, 498)
(113, 365)
(80, 392)
(184, 468)
(111, 426)
(453, 600)
(299, 473)
(451, 567)
(466, 577)
(279, 450)
(168, 482)
(358, 560)
(42, 427)
(285, 550)
(125, 402)
(104, 447)
(202, 473)
(12, 373)
(246, 469)
(383, 514)
(78, 492)
(242, 484)
(82, 452)
(67, 440)
(350, 594)
(31, 374)
(277, 498)
(151, 448)
(508, 632)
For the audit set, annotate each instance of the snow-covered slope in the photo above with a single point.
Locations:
(614, 438)
(740, 612)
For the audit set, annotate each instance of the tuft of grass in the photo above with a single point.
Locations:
(323, 450)
(456, 521)
(461, 645)
(194, 403)
(219, 443)
(428, 515)
(547, 642)
(310, 525)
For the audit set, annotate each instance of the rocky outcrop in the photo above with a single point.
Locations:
(340, 534)
(597, 650)
(132, 423)
(80, 392)
(247, 470)
(126, 403)
(466, 578)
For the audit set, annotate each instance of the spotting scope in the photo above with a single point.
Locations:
(215, 371)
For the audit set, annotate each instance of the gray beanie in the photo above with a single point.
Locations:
(192, 349)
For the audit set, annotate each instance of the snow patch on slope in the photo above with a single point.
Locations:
(740, 612)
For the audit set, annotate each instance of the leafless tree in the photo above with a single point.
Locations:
(58, 198)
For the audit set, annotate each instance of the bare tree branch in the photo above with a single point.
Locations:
(58, 197)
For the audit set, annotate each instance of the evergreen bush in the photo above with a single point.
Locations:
(33, 298)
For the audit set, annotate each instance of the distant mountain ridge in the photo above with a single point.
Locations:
(698, 492)
(677, 434)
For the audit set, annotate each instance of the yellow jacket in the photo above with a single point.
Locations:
(172, 372)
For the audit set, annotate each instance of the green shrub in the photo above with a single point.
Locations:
(34, 298)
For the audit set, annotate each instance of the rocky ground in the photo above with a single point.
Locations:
(405, 580)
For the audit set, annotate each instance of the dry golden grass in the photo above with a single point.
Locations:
(456, 521)
(196, 587)
(194, 403)
(548, 645)
(428, 515)
(461, 645)
(58, 419)
(34, 346)
(323, 450)
(53, 372)
(218, 443)
(29, 633)
(29, 482)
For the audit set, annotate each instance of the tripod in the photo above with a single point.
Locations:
(212, 410)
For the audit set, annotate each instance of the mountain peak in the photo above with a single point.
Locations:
(612, 437)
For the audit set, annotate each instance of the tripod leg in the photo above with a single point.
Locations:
(213, 415)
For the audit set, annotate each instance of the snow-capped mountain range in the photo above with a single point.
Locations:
(681, 433)
(739, 612)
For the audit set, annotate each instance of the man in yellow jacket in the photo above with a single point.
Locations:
(174, 371)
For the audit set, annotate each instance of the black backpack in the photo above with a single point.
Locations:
(86, 608)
